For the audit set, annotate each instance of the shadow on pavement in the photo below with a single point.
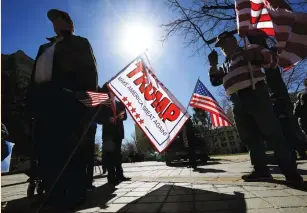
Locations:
(204, 170)
(274, 169)
(97, 198)
(170, 198)
(186, 163)
(167, 198)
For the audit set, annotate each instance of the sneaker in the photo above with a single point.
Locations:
(257, 176)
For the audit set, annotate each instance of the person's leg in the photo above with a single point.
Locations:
(118, 157)
(250, 135)
(269, 126)
(90, 144)
(192, 157)
(109, 161)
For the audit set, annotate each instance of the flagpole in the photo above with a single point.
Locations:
(192, 94)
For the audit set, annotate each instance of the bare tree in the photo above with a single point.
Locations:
(294, 79)
(200, 22)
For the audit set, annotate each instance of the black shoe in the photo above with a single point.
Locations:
(104, 171)
(257, 176)
(90, 188)
(113, 182)
(123, 178)
(295, 180)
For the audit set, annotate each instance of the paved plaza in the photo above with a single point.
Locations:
(214, 188)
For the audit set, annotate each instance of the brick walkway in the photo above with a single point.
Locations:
(214, 188)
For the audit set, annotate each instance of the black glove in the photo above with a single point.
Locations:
(213, 58)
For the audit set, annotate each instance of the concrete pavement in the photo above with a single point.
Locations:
(214, 188)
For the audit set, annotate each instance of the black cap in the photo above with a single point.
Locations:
(54, 14)
(222, 36)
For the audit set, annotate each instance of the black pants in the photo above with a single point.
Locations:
(113, 161)
(254, 117)
(192, 156)
(57, 133)
(90, 149)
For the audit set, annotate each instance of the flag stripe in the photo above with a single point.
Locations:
(92, 99)
(203, 99)
(288, 27)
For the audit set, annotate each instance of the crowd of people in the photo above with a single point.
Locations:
(66, 64)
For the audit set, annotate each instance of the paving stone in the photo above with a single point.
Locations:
(295, 192)
(270, 210)
(90, 210)
(228, 205)
(179, 198)
(152, 199)
(290, 201)
(294, 210)
(180, 191)
(125, 199)
(143, 208)
(141, 189)
(113, 208)
(135, 194)
(271, 193)
(231, 189)
(202, 186)
(257, 203)
(260, 188)
(177, 207)
(157, 193)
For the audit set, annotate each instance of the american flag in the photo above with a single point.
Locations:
(203, 99)
(275, 18)
(92, 99)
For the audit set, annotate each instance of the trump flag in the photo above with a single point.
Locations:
(154, 109)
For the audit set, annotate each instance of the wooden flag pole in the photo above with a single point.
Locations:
(250, 67)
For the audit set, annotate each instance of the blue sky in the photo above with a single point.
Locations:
(103, 22)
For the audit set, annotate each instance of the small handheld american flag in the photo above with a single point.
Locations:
(92, 99)
(204, 100)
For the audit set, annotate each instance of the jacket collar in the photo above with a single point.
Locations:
(60, 37)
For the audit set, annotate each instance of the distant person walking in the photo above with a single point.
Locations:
(300, 110)
(65, 62)
(112, 117)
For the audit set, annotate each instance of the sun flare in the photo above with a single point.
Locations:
(136, 38)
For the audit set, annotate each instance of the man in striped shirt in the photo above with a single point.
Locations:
(252, 107)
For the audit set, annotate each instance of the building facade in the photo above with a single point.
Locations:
(15, 78)
(225, 140)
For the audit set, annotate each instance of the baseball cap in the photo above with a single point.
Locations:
(54, 14)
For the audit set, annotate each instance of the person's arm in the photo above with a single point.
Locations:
(29, 92)
(261, 56)
(88, 78)
(216, 73)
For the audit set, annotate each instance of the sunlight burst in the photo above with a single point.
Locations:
(136, 38)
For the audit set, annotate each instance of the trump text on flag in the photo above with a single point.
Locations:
(151, 105)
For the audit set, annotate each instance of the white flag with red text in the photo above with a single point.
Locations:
(154, 109)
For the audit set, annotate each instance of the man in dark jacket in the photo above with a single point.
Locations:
(66, 62)
(112, 117)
